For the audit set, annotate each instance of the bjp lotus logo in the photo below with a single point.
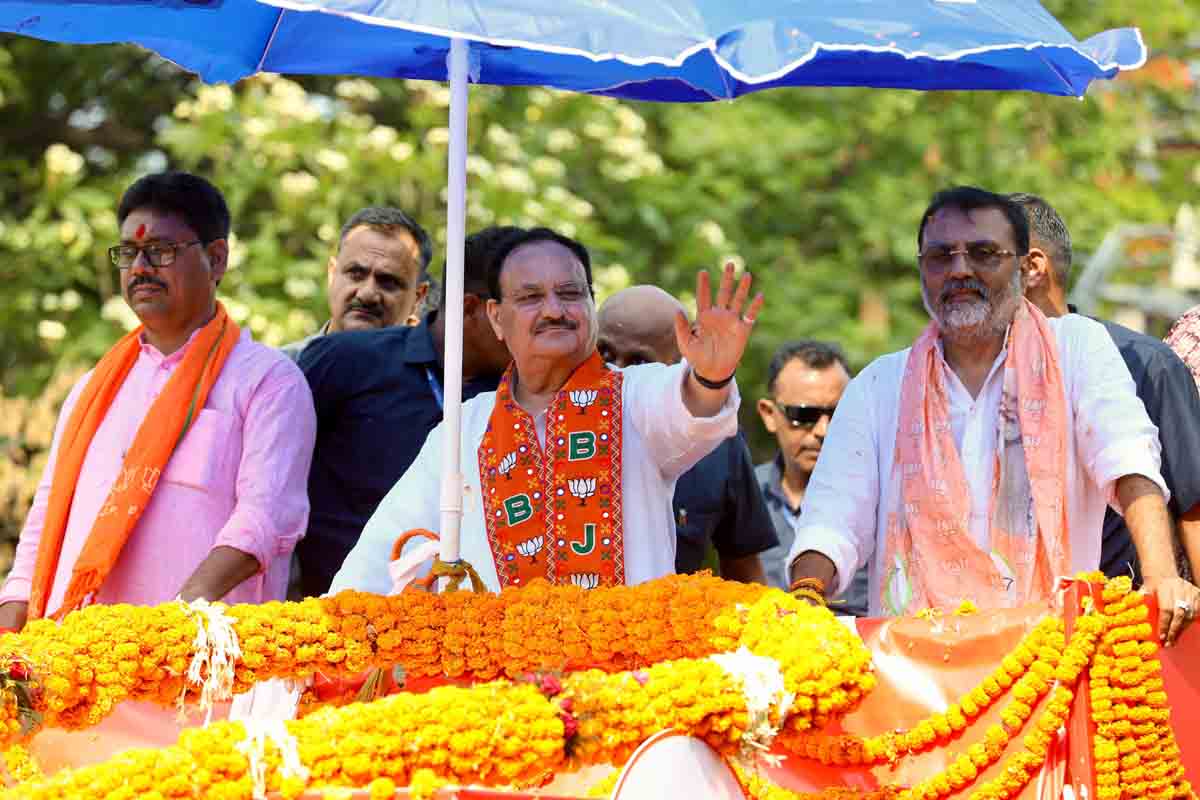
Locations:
(585, 580)
(531, 547)
(582, 398)
(150, 478)
(506, 465)
(583, 488)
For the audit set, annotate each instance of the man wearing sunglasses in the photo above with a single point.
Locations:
(977, 464)
(805, 381)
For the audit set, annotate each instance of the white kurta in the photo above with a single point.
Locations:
(1109, 435)
(661, 441)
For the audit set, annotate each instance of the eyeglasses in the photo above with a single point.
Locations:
(802, 416)
(983, 256)
(158, 254)
(532, 298)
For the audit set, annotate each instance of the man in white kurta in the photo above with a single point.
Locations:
(1109, 436)
(670, 417)
(662, 441)
(978, 463)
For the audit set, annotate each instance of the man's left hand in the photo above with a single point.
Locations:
(714, 343)
(1178, 606)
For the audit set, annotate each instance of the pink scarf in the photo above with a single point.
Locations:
(931, 559)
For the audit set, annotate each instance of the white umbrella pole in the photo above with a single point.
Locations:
(456, 225)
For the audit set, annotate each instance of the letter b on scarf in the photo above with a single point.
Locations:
(517, 509)
(582, 445)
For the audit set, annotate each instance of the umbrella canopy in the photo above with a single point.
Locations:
(671, 50)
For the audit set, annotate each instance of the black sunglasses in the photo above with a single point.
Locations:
(804, 416)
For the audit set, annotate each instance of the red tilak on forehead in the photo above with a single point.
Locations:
(140, 232)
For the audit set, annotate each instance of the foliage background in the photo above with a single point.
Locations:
(817, 191)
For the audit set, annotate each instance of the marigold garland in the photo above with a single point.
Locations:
(497, 734)
(1134, 748)
(1136, 755)
(506, 733)
(21, 764)
(1021, 766)
(102, 655)
(515, 734)
(1043, 644)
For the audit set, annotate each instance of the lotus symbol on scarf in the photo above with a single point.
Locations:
(506, 465)
(531, 547)
(583, 398)
(583, 488)
(585, 580)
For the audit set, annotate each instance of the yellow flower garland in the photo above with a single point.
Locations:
(496, 734)
(1135, 751)
(1042, 645)
(512, 734)
(21, 764)
(515, 734)
(103, 655)
(1134, 748)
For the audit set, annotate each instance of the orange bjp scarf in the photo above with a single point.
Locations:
(555, 512)
(164, 426)
(930, 559)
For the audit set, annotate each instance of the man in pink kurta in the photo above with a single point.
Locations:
(239, 478)
(231, 502)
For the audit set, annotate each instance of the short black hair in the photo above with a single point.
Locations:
(813, 353)
(479, 249)
(388, 220)
(1049, 230)
(190, 197)
(530, 236)
(972, 198)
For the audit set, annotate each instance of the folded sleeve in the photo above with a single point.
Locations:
(1114, 433)
(279, 429)
(675, 439)
(412, 503)
(839, 516)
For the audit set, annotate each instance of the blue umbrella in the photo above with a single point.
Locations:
(697, 50)
(664, 50)
(669, 50)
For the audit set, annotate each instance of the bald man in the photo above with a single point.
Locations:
(718, 501)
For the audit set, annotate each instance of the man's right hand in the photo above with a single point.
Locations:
(811, 564)
(13, 615)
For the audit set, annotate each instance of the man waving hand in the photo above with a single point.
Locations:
(571, 465)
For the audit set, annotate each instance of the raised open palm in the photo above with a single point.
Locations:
(714, 343)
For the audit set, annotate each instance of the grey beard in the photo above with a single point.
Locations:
(979, 321)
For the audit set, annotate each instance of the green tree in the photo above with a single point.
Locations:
(817, 191)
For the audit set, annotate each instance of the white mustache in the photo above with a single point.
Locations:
(971, 284)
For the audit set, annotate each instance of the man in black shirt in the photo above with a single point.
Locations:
(378, 275)
(718, 500)
(378, 394)
(1164, 383)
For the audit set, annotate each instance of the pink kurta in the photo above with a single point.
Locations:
(239, 478)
